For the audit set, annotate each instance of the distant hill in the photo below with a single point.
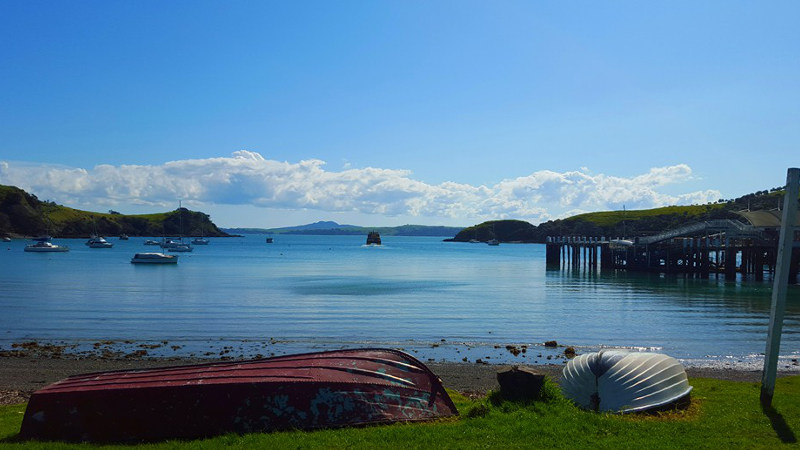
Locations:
(630, 223)
(502, 230)
(321, 225)
(22, 214)
(333, 228)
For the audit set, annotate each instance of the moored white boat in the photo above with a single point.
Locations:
(622, 381)
(168, 243)
(46, 247)
(180, 247)
(154, 258)
(199, 241)
(98, 242)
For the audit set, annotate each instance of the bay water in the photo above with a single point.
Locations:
(242, 298)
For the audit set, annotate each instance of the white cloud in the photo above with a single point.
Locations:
(247, 178)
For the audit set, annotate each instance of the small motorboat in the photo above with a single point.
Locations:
(98, 242)
(154, 258)
(169, 242)
(123, 237)
(199, 241)
(180, 247)
(46, 247)
(6, 239)
(150, 242)
(308, 391)
(493, 242)
(622, 381)
(270, 240)
(373, 238)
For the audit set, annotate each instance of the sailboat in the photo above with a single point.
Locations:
(43, 245)
(180, 246)
(97, 241)
(200, 240)
(493, 241)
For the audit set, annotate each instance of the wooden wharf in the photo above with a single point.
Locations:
(724, 247)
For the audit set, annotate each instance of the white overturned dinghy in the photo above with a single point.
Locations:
(622, 381)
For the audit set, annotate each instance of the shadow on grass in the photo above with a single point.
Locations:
(782, 429)
(14, 439)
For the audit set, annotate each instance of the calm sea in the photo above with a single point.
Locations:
(242, 297)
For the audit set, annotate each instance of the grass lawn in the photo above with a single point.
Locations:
(722, 414)
(612, 218)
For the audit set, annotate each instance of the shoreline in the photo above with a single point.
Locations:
(438, 351)
(20, 376)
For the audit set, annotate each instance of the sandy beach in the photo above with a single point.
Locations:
(21, 376)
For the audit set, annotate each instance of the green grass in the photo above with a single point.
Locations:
(611, 218)
(60, 214)
(722, 414)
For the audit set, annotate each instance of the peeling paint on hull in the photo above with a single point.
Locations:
(314, 390)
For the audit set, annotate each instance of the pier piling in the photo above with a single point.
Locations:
(730, 253)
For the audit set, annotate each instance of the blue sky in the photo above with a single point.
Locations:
(392, 112)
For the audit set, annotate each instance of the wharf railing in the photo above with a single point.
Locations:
(730, 227)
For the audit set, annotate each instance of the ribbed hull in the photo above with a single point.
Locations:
(624, 381)
(316, 390)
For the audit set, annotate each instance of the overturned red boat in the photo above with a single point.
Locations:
(307, 391)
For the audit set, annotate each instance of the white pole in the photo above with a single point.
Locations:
(780, 285)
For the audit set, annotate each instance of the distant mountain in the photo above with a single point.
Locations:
(321, 225)
(333, 228)
(22, 214)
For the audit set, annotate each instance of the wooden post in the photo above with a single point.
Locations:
(780, 286)
(606, 257)
(745, 269)
(759, 264)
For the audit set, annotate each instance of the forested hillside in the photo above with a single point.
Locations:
(22, 214)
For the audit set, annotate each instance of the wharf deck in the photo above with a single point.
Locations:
(721, 246)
